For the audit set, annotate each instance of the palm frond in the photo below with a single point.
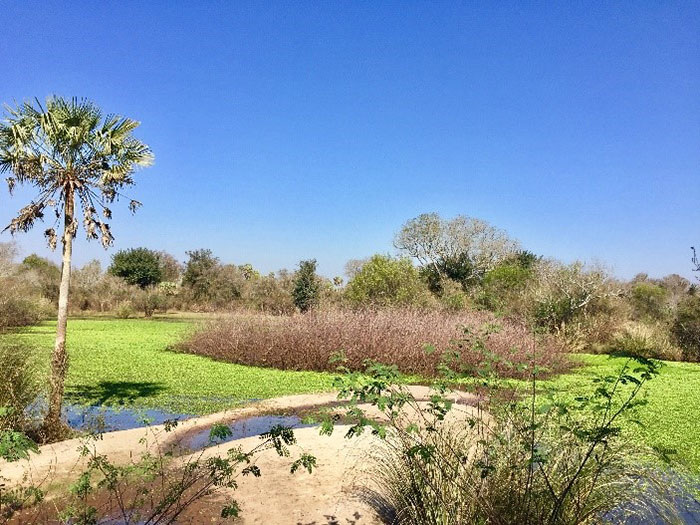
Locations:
(64, 147)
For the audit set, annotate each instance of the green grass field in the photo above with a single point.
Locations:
(127, 361)
(670, 421)
(117, 362)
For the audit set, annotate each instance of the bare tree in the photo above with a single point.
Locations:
(353, 267)
(8, 254)
(562, 291)
(433, 240)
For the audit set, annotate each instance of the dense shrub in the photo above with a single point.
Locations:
(386, 281)
(563, 293)
(331, 293)
(17, 311)
(457, 268)
(307, 289)
(21, 301)
(137, 266)
(502, 287)
(649, 301)
(272, 294)
(582, 305)
(686, 327)
(150, 301)
(509, 460)
(453, 297)
(400, 337)
(20, 385)
(47, 275)
(93, 290)
(18, 306)
(210, 285)
(125, 310)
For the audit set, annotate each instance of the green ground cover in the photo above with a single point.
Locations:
(127, 361)
(120, 361)
(670, 420)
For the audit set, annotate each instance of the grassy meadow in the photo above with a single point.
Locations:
(669, 420)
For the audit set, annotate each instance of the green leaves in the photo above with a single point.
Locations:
(280, 437)
(16, 445)
(305, 461)
(232, 510)
(326, 428)
(219, 432)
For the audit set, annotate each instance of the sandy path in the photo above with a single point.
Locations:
(328, 496)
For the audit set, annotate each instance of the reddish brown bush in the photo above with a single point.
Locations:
(399, 337)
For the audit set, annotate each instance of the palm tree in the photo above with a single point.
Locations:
(72, 156)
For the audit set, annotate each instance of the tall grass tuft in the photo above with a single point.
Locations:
(20, 386)
(467, 482)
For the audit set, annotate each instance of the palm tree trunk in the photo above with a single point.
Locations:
(59, 358)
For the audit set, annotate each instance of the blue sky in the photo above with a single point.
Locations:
(294, 130)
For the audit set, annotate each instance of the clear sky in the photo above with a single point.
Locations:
(294, 130)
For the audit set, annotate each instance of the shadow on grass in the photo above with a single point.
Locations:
(36, 329)
(113, 392)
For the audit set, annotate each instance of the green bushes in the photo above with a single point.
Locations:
(306, 291)
(502, 287)
(385, 281)
(649, 301)
(137, 266)
(47, 275)
(686, 328)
